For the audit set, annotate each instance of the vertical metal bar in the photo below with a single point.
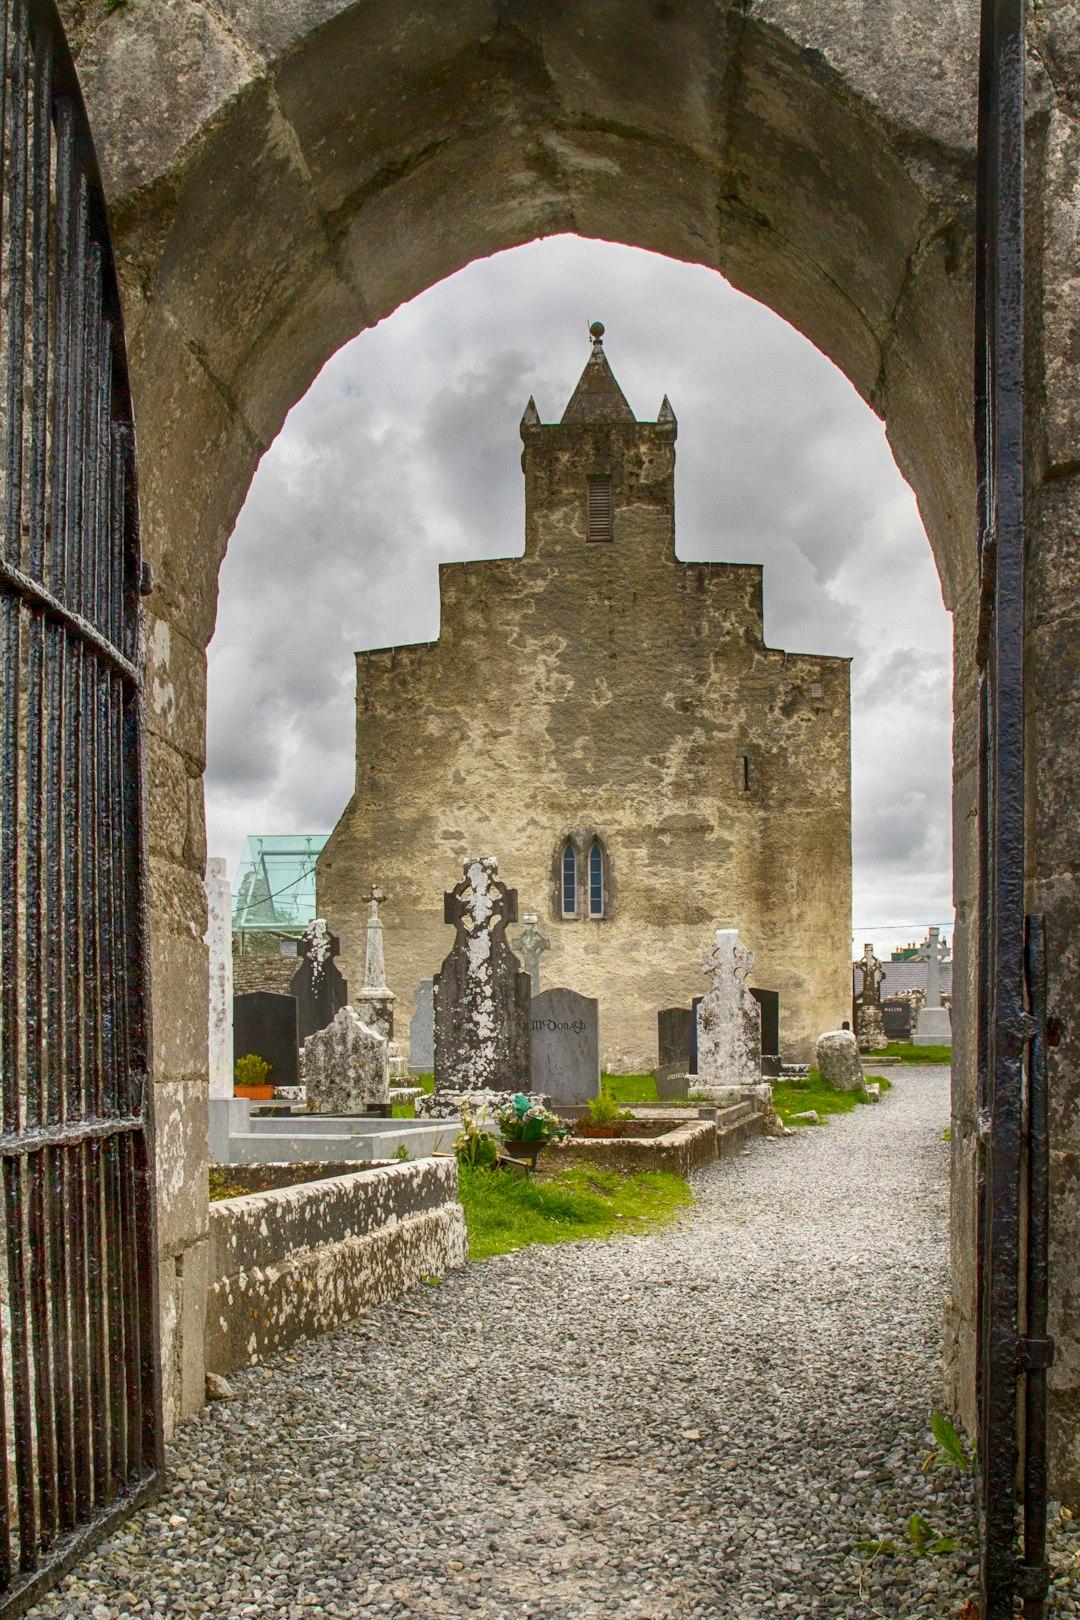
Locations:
(1037, 1271)
(21, 1370)
(79, 1329)
(16, 289)
(118, 1361)
(65, 196)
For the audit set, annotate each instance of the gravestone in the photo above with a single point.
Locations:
(346, 1066)
(839, 1062)
(532, 944)
(869, 1025)
(565, 1046)
(933, 1027)
(769, 1002)
(728, 1019)
(896, 1016)
(375, 1001)
(218, 939)
(482, 997)
(674, 1029)
(317, 984)
(266, 1025)
(422, 1030)
(694, 1005)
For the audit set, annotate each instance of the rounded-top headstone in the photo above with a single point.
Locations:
(838, 1060)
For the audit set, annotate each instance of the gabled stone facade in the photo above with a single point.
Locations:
(598, 696)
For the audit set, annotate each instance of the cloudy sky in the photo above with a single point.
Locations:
(405, 452)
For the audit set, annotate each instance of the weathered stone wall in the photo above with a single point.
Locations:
(273, 974)
(281, 175)
(605, 689)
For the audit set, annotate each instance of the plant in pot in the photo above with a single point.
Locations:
(605, 1117)
(250, 1077)
(527, 1127)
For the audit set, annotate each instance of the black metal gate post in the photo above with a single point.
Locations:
(1012, 1070)
(80, 1429)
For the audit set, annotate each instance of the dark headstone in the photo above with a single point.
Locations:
(675, 1031)
(896, 1016)
(317, 984)
(565, 1046)
(694, 1005)
(482, 997)
(266, 1025)
(769, 1002)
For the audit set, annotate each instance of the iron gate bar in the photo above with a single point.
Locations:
(79, 1378)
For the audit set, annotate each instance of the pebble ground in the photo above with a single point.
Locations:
(712, 1420)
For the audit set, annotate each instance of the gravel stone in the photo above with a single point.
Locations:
(711, 1420)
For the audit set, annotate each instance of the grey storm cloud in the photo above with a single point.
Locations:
(405, 452)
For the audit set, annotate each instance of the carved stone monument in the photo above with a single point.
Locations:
(346, 1066)
(728, 1018)
(532, 944)
(870, 1025)
(933, 1027)
(218, 938)
(317, 984)
(566, 1046)
(482, 997)
(375, 1002)
(422, 1030)
(838, 1060)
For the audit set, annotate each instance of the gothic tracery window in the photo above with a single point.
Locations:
(569, 880)
(596, 880)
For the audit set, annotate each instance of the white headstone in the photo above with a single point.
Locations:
(728, 1017)
(346, 1066)
(218, 938)
(422, 1030)
(933, 1026)
(375, 1001)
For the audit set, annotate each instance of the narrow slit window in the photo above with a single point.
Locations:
(596, 881)
(599, 510)
(746, 773)
(569, 881)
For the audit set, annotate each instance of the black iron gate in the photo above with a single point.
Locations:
(79, 1387)
(1014, 1351)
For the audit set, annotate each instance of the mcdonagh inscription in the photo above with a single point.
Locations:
(565, 1046)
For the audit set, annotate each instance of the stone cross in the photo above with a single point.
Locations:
(374, 963)
(728, 1017)
(482, 998)
(218, 937)
(532, 943)
(872, 976)
(935, 952)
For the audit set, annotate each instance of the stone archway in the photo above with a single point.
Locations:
(282, 176)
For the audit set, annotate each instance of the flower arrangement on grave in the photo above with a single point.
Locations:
(475, 1147)
(529, 1122)
(251, 1078)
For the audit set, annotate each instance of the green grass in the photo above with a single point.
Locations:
(800, 1096)
(630, 1088)
(913, 1054)
(504, 1214)
(407, 1110)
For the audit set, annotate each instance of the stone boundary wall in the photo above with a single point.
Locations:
(271, 973)
(298, 1261)
(680, 1151)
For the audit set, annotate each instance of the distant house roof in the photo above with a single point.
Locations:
(900, 976)
(275, 883)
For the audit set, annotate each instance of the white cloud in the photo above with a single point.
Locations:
(405, 452)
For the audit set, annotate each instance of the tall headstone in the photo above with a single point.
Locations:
(869, 1024)
(375, 1002)
(769, 1002)
(422, 1030)
(218, 938)
(565, 1046)
(933, 1027)
(532, 944)
(346, 1066)
(728, 1019)
(317, 984)
(674, 1029)
(482, 997)
(265, 1024)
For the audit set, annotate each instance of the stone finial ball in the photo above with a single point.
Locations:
(596, 329)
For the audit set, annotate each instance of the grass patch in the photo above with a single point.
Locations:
(630, 1088)
(812, 1092)
(504, 1214)
(913, 1054)
(221, 1186)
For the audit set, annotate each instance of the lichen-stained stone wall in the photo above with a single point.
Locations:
(605, 689)
(302, 1260)
(281, 173)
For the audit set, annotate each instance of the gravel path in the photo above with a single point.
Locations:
(706, 1421)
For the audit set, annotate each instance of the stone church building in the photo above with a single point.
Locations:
(608, 721)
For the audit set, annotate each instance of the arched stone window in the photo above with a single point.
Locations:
(596, 880)
(569, 880)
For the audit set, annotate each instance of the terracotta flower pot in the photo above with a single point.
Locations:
(254, 1093)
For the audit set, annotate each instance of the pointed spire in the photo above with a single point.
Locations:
(531, 417)
(667, 415)
(598, 397)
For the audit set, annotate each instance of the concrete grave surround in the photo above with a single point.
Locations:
(481, 995)
(422, 1029)
(728, 1017)
(346, 1066)
(839, 1062)
(277, 177)
(218, 939)
(565, 1046)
